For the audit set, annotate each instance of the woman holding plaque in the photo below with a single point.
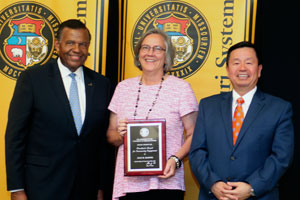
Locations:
(153, 95)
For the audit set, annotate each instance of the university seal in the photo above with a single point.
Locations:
(27, 37)
(188, 29)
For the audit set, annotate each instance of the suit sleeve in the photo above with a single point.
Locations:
(265, 178)
(198, 156)
(16, 131)
(104, 148)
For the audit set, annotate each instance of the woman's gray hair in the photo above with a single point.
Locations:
(170, 51)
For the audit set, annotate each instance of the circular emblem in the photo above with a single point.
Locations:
(188, 29)
(27, 37)
(144, 132)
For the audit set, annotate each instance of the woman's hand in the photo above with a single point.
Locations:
(170, 169)
(116, 131)
(122, 127)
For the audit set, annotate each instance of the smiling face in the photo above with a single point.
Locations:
(153, 61)
(243, 69)
(72, 47)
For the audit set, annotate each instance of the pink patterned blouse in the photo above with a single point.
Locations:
(176, 99)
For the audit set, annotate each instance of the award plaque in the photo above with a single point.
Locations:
(145, 147)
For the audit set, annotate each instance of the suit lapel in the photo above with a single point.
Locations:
(226, 111)
(57, 85)
(60, 92)
(89, 89)
(255, 107)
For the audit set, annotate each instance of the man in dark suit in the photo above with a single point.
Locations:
(243, 140)
(55, 137)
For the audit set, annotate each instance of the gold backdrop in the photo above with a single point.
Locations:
(201, 31)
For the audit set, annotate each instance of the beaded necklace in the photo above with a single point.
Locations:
(153, 103)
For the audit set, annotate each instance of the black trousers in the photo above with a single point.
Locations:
(79, 193)
(155, 195)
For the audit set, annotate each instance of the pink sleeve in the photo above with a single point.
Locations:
(114, 103)
(188, 102)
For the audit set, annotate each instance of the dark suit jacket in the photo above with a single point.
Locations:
(263, 151)
(44, 154)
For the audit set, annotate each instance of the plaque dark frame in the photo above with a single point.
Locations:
(162, 148)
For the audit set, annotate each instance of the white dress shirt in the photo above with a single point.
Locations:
(247, 100)
(65, 72)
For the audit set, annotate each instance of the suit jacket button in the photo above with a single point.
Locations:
(227, 179)
(232, 158)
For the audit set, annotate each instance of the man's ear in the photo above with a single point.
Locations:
(259, 70)
(56, 44)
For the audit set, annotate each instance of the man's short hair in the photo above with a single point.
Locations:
(72, 24)
(242, 45)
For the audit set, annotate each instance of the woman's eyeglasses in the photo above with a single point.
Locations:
(156, 49)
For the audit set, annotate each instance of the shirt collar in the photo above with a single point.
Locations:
(64, 71)
(247, 97)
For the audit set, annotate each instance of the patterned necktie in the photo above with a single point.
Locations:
(74, 102)
(238, 118)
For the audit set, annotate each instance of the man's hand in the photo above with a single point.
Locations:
(20, 195)
(241, 191)
(219, 188)
(100, 195)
